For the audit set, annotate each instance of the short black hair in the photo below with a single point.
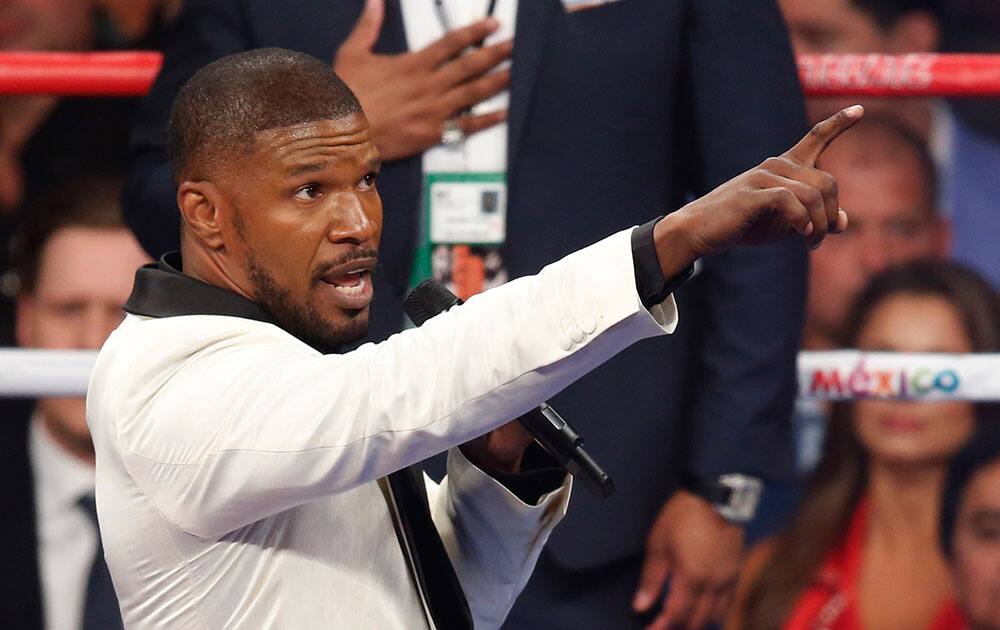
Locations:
(220, 109)
(983, 450)
(89, 202)
(888, 12)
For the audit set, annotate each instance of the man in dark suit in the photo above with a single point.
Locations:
(616, 109)
(75, 261)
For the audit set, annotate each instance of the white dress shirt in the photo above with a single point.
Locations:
(237, 467)
(67, 540)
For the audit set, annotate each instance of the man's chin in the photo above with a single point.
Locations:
(356, 327)
(348, 328)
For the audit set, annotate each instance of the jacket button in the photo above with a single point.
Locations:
(565, 342)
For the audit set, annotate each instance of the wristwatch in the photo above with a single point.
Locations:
(734, 496)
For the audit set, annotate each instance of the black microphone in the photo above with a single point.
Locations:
(551, 431)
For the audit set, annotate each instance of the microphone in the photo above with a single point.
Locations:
(551, 431)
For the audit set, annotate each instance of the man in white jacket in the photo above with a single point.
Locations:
(249, 477)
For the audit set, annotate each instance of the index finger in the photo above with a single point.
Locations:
(809, 148)
(454, 42)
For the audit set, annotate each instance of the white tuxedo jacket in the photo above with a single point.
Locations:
(237, 467)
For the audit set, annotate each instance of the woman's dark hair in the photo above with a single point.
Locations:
(841, 477)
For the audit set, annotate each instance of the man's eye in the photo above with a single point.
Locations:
(368, 181)
(307, 193)
(990, 534)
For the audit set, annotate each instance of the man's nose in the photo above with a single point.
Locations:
(353, 222)
(874, 253)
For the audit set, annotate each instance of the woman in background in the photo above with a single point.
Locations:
(861, 550)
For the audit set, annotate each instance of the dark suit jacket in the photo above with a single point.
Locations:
(617, 114)
(21, 596)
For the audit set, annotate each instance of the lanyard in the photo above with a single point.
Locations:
(445, 20)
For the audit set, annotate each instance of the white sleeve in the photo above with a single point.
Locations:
(493, 539)
(230, 428)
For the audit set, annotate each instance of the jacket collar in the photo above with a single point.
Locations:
(162, 290)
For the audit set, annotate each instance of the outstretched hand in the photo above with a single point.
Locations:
(783, 195)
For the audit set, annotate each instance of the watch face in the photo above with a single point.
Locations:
(743, 499)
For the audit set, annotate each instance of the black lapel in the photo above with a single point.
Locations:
(529, 44)
(161, 290)
(432, 569)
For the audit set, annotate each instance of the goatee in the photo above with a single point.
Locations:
(303, 321)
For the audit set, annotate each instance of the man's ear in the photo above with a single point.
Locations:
(199, 203)
(915, 32)
(24, 322)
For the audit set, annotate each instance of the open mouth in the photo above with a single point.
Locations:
(350, 284)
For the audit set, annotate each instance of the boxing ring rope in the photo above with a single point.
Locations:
(836, 375)
(34, 373)
(78, 74)
(867, 75)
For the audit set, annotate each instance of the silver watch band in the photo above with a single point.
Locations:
(744, 498)
(734, 496)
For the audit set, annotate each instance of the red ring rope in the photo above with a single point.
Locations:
(132, 74)
(918, 74)
(78, 74)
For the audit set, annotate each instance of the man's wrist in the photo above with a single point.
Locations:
(674, 249)
(487, 462)
(734, 496)
(650, 282)
(537, 474)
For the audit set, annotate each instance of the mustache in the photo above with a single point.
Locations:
(354, 254)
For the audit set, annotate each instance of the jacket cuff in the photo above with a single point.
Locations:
(540, 474)
(653, 288)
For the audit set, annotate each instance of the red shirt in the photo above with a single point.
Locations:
(831, 601)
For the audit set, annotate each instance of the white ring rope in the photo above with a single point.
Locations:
(836, 375)
(34, 373)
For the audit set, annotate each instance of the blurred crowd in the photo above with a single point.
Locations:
(892, 519)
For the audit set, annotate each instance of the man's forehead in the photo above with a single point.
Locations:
(319, 138)
(72, 252)
(987, 481)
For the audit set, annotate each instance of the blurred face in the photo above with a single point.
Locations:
(905, 433)
(890, 223)
(831, 26)
(976, 563)
(131, 17)
(839, 27)
(46, 24)
(306, 225)
(84, 277)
